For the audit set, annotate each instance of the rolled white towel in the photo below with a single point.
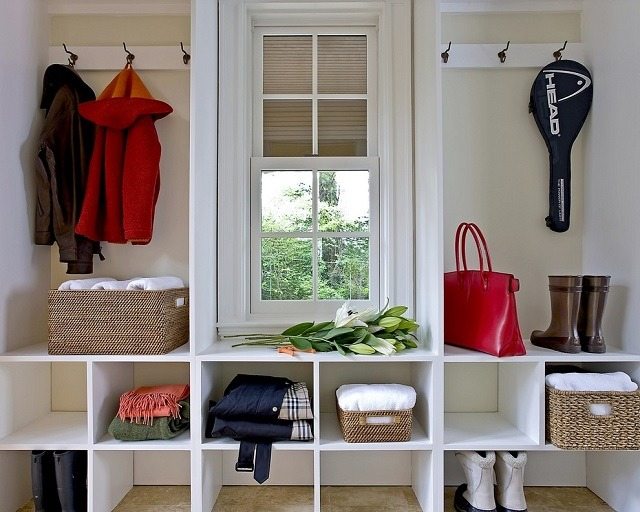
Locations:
(113, 285)
(376, 397)
(156, 283)
(83, 284)
(616, 381)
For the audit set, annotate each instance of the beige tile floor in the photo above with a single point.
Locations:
(551, 499)
(336, 499)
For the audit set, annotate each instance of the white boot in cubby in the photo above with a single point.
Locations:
(477, 494)
(509, 468)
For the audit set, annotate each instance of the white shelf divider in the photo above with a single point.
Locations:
(38, 353)
(54, 431)
(181, 442)
(537, 354)
(228, 444)
(224, 351)
(483, 431)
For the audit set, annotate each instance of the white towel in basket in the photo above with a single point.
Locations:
(156, 283)
(616, 381)
(113, 285)
(83, 284)
(376, 397)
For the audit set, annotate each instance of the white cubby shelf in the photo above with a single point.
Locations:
(538, 354)
(38, 352)
(472, 153)
(223, 350)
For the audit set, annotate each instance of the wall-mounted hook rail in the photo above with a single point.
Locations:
(445, 54)
(558, 53)
(186, 57)
(502, 54)
(109, 58)
(524, 55)
(73, 58)
(130, 56)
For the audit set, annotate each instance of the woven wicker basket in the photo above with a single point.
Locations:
(571, 425)
(356, 426)
(118, 322)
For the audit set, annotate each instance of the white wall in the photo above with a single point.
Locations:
(24, 268)
(168, 252)
(612, 193)
(496, 165)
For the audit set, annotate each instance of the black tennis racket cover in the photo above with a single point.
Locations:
(561, 97)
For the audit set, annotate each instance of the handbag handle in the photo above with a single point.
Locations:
(475, 230)
(461, 249)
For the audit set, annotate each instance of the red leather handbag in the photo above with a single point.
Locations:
(480, 305)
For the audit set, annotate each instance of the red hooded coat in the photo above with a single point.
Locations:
(124, 174)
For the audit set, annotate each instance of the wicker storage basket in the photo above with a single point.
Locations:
(118, 322)
(571, 425)
(357, 427)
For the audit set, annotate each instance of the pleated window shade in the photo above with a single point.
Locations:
(287, 128)
(342, 64)
(342, 127)
(287, 64)
(338, 119)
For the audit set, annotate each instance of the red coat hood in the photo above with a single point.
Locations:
(123, 102)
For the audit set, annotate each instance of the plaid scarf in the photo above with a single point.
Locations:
(301, 430)
(296, 404)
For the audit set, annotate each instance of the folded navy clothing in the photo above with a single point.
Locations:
(252, 396)
(248, 412)
(277, 430)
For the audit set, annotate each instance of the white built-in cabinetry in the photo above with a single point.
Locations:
(466, 400)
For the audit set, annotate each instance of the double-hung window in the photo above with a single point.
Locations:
(314, 170)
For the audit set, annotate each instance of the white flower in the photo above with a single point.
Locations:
(369, 314)
(345, 317)
(383, 346)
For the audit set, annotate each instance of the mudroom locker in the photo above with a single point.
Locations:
(442, 130)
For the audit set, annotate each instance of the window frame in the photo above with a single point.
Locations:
(237, 20)
(260, 163)
(314, 164)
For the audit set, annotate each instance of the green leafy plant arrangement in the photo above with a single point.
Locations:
(365, 333)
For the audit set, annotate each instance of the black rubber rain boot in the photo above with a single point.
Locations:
(43, 482)
(71, 478)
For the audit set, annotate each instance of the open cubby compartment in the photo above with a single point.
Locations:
(543, 469)
(116, 472)
(384, 483)
(632, 368)
(216, 376)
(288, 467)
(43, 406)
(109, 380)
(15, 471)
(493, 405)
(418, 374)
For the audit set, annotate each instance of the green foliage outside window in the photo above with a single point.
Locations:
(343, 262)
